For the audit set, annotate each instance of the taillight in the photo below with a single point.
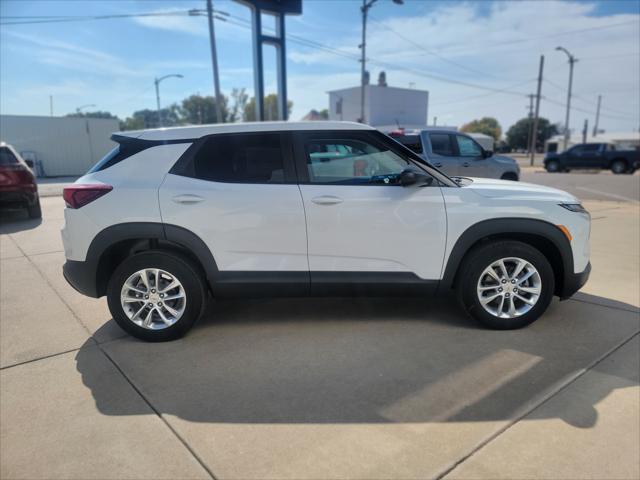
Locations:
(77, 196)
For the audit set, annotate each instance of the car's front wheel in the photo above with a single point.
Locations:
(506, 284)
(619, 166)
(156, 296)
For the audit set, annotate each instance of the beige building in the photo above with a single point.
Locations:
(59, 146)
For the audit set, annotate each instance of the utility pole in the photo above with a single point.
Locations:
(366, 5)
(572, 61)
(214, 62)
(435, 121)
(534, 133)
(585, 129)
(530, 116)
(595, 125)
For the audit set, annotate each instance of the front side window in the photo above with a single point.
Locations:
(441, 144)
(468, 147)
(352, 162)
(238, 158)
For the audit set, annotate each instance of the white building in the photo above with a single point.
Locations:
(383, 106)
(59, 146)
(621, 140)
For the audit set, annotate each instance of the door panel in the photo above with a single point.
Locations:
(247, 227)
(376, 229)
(359, 218)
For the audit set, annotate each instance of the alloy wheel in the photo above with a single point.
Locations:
(509, 287)
(153, 299)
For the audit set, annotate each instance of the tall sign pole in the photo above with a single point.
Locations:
(214, 63)
(534, 132)
(595, 125)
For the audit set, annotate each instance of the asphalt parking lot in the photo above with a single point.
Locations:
(325, 388)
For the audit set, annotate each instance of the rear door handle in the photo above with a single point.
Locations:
(187, 199)
(326, 200)
(437, 164)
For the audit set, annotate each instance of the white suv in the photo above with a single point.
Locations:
(319, 208)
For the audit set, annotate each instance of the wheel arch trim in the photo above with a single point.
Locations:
(477, 232)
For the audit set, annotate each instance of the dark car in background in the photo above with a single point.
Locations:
(593, 156)
(18, 187)
(458, 154)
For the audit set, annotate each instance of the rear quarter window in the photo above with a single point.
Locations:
(7, 157)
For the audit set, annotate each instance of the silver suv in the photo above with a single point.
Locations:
(458, 154)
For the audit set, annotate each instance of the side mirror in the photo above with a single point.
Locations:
(487, 153)
(414, 176)
(29, 163)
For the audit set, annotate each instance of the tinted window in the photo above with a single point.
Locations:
(411, 141)
(441, 144)
(255, 158)
(352, 162)
(468, 147)
(7, 157)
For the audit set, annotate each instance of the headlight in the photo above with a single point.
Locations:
(574, 207)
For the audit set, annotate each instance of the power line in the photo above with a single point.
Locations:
(590, 112)
(29, 20)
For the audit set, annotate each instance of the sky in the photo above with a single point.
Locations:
(476, 58)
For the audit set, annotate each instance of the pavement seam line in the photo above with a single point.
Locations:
(569, 381)
(157, 412)
(136, 389)
(605, 306)
(39, 358)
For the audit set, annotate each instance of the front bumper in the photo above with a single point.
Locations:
(574, 282)
(81, 276)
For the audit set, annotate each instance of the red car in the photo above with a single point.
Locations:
(18, 188)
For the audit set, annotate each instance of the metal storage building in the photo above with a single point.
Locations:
(60, 146)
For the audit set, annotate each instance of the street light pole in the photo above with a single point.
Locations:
(157, 81)
(572, 60)
(366, 5)
(214, 62)
(79, 109)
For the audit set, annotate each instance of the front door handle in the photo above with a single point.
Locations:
(326, 200)
(437, 164)
(187, 199)
(465, 164)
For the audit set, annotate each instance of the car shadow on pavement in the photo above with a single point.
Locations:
(335, 360)
(13, 221)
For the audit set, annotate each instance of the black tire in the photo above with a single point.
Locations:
(479, 259)
(509, 176)
(179, 267)
(35, 211)
(619, 166)
(552, 166)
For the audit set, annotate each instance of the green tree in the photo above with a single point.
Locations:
(198, 109)
(270, 108)
(149, 118)
(97, 114)
(518, 134)
(239, 99)
(487, 125)
(324, 113)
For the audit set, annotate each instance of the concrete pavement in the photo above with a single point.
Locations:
(330, 388)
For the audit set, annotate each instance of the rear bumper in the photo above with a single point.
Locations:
(18, 197)
(574, 282)
(81, 276)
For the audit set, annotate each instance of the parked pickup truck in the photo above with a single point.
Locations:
(593, 156)
(457, 154)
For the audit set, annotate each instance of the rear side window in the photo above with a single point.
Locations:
(412, 142)
(441, 144)
(7, 157)
(238, 158)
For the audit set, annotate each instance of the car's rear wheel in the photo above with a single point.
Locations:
(619, 166)
(35, 211)
(552, 166)
(506, 285)
(156, 296)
